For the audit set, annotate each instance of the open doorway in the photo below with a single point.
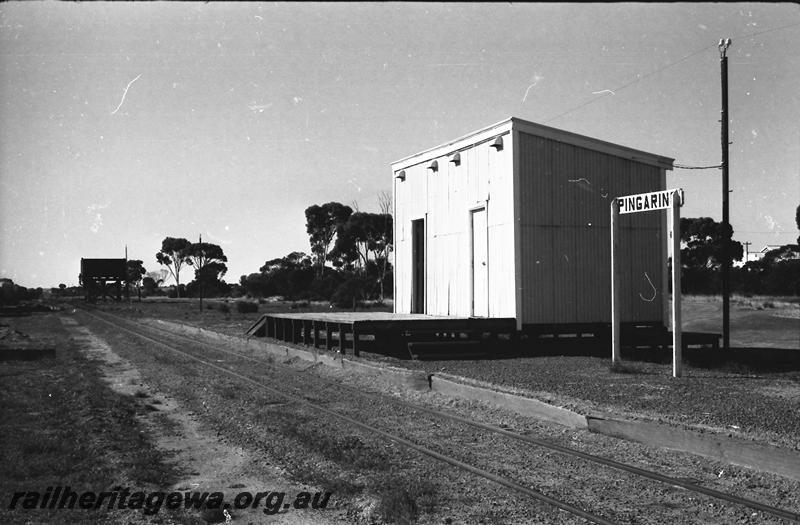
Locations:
(418, 266)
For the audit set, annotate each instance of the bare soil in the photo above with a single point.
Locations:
(61, 425)
(204, 463)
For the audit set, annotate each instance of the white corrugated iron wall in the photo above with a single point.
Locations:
(445, 198)
(502, 294)
(437, 271)
(453, 190)
(410, 204)
(566, 193)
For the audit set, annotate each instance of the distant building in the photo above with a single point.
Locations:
(749, 256)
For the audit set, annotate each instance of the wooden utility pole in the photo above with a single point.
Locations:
(726, 257)
(200, 278)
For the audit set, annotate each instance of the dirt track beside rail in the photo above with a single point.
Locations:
(457, 497)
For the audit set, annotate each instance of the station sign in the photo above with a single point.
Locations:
(657, 200)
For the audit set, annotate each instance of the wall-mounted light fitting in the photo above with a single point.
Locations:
(456, 159)
(401, 175)
(497, 143)
(433, 166)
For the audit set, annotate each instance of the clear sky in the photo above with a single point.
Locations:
(124, 123)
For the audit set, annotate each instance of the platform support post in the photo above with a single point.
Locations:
(355, 341)
(328, 337)
(342, 339)
(315, 330)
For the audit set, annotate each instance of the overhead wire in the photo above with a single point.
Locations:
(642, 77)
(682, 167)
(672, 64)
(634, 81)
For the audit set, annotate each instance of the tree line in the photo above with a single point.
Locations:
(349, 260)
(707, 243)
(207, 259)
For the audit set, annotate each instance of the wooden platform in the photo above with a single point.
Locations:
(634, 335)
(382, 332)
(430, 336)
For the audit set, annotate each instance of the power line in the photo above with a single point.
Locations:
(682, 167)
(765, 231)
(642, 77)
(634, 81)
(768, 30)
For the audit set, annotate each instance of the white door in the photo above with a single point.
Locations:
(480, 268)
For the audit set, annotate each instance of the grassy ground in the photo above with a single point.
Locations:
(61, 425)
(756, 322)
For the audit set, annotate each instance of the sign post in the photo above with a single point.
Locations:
(659, 200)
(616, 336)
(677, 348)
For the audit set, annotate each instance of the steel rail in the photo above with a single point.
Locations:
(655, 476)
(364, 426)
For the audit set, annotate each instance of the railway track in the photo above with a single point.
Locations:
(170, 340)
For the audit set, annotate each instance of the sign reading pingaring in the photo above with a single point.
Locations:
(657, 200)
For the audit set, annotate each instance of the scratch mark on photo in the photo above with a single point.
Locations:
(260, 107)
(536, 79)
(125, 93)
(655, 292)
(582, 184)
(603, 91)
(580, 180)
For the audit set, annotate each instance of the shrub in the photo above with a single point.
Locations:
(224, 308)
(173, 293)
(246, 307)
(349, 294)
